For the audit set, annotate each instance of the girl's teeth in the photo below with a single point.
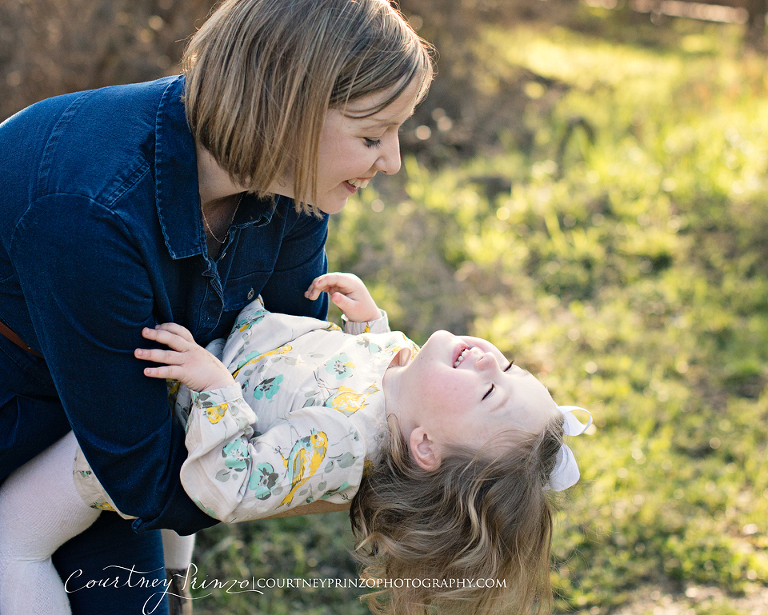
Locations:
(461, 356)
(358, 183)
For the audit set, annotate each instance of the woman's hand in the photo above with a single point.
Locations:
(186, 361)
(348, 293)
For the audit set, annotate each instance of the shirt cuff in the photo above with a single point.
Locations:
(380, 325)
(228, 394)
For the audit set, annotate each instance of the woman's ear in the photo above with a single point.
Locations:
(424, 451)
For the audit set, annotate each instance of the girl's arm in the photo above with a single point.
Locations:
(313, 458)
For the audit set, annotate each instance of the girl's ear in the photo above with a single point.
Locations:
(424, 450)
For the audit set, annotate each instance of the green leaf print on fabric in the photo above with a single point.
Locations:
(344, 486)
(205, 509)
(346, 460)
(365, 342)
(223, 475)
(243, 324)
(343, 461)
(268, 387)
(254, 354)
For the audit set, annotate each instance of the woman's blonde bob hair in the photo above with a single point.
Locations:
(262, 74)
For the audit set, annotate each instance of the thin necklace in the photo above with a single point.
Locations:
(232, 219)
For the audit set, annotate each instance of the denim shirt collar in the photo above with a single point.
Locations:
(176, 182)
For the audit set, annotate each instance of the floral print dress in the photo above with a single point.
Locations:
(306, 413)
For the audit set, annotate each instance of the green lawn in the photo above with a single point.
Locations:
(627, 267)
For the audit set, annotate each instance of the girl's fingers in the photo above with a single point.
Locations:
(164, 371)
(314, 290)
(324, 282)
(157, 355)
(177, 329)
(163, 336)
(341, 301)
(152, 333)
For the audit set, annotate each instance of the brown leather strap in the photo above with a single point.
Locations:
(6, 332)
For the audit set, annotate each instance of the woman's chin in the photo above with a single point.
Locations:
(331, 205)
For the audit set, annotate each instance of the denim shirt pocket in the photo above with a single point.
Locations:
(241, 290)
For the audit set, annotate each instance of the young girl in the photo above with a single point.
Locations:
(446, 452)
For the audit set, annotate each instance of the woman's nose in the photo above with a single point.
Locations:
(389, 160)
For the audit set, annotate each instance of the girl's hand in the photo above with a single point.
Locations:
(348, 293)
(186, 361)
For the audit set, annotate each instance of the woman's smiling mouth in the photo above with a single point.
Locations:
(359, 183)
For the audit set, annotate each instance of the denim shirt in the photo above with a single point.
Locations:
(101, 235)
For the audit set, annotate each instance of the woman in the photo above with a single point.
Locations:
(179, 200)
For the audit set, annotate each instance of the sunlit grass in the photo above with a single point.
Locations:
(628, 270)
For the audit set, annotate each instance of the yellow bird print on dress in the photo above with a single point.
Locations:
(281, 350)
(304, 460)
(348, 401)
(215, 413)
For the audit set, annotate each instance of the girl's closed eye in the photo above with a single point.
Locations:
(490, 391)
(507, 368)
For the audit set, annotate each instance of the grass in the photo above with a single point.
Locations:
(627, 267)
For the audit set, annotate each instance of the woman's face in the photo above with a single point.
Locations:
(353, 150)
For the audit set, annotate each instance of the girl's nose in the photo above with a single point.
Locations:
(487, 360)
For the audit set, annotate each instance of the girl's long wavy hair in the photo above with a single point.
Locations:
(478, 517)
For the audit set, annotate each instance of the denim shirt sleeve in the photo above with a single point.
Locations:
(101, 225)
(88, 319)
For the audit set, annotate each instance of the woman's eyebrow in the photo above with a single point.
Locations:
(383, 122)
(373, 123)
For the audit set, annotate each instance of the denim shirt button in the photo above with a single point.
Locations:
(251, 294)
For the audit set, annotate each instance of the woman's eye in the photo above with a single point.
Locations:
(506, 369)
(493, 386)
(372, 142)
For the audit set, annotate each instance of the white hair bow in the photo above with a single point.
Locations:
(566, 472)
